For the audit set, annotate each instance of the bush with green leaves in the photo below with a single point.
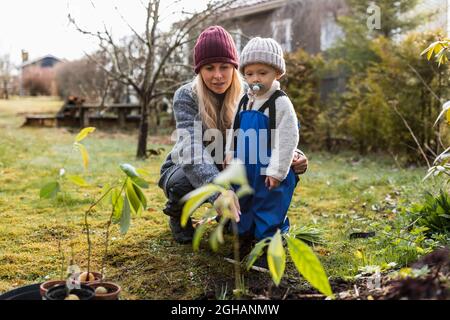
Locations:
(433, 213)
(380, 117)
(301, 254)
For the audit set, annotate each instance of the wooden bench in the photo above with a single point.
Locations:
(40, 121)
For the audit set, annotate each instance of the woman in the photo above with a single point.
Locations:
(206, 103)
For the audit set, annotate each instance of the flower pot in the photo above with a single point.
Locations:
(30, 292)
(59, 292)
(49, 284)
(112, 294)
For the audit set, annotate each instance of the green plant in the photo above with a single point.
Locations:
(125, 197)
(301, 254)
(235, 175)
(305, 261)
(307, 234)
(434, 213)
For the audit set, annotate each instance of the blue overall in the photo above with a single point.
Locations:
(264, 211)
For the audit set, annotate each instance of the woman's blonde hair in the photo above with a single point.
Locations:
(213, 115)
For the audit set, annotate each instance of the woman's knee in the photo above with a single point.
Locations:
(176, 187)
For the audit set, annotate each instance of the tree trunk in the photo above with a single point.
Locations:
(5, 90)
(143, 131)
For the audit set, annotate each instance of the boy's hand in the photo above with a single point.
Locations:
(271, 182)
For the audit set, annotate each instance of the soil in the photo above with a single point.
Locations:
(435, 285)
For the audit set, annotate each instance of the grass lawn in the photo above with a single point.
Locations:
(339, 194)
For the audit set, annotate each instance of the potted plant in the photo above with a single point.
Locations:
(125, 198)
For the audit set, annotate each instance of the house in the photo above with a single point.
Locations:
(307, 24)
(47, 61)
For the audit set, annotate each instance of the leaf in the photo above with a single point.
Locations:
(233, 174)
(129, 170)
(359, 254)
(309, 265)
(143, 173)
(244, 191)
(445, 108)
(429, 50)
(430, 172)
(195, 198)
(199, 231)
(308, 234)
(79, 181)
(84, 133)
(117, 202)
(84, 155)
(216, 237)
(50, 190)
(133, 199)
(276, 258)
(141, 196)
(256, 252)
(125, 217)
(140, 182)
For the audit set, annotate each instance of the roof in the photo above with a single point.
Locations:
(242, 8)
(38, 59)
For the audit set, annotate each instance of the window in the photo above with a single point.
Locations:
(329, 31)
(282, 31)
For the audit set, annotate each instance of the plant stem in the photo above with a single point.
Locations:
(108, 225)
(237, 266)
(86, 224)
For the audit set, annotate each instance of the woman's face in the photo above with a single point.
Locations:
(217, 76)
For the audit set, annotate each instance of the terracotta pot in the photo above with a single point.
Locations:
(49, 284)
(113, 290)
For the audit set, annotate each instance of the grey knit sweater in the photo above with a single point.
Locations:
(186, 111)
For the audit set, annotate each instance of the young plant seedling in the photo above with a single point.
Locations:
(233, 176)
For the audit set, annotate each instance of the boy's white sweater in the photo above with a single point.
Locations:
(286, 134)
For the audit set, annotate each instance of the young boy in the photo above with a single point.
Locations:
(265, 135)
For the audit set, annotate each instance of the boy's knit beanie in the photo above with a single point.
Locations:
(263, 50)
(214, 44)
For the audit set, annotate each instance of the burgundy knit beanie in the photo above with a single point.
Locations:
(214, 44)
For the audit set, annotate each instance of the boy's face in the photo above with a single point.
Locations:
(261, 73)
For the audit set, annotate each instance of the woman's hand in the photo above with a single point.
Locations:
(299, 163)
(230, 200)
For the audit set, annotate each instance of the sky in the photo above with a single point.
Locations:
(42, 26)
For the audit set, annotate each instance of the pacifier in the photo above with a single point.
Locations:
(257, 87)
